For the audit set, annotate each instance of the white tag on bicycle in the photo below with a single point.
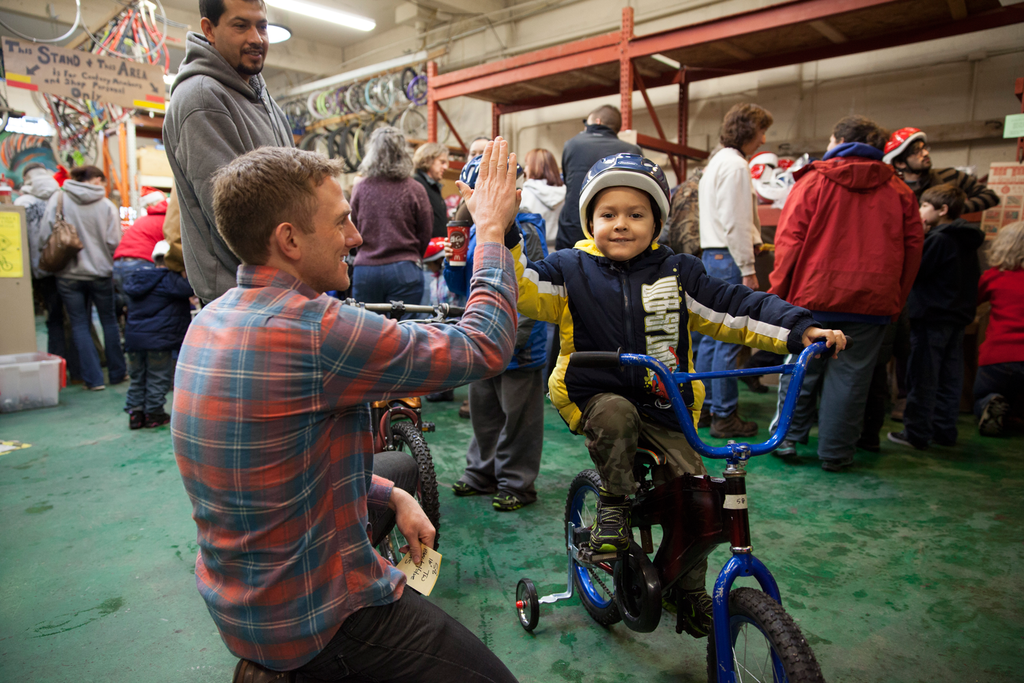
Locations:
(422, 577)
(735, 502)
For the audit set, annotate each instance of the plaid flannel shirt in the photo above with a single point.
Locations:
(272, 437)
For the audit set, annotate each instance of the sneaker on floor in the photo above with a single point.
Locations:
(464, 410)
(897, 409)
(732, 426)
(611, 530)
(705, 418)
(902, 439)
(869, 445)
(786, 449)
(462, 489)
(98, 387)
(120, 381)
(506, 501)
(695, 609)
(836, 464)
(136, 419)
(154, 420)
(991, 421)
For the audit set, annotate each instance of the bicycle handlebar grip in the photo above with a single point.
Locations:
(595, 359)
(827, 351)
(455, 311)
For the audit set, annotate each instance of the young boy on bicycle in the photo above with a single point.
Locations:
(620, 290)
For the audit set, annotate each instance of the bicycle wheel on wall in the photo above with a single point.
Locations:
(766, 643)
(594, 584)
(409, 439)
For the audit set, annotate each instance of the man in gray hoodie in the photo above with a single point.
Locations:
(219, 110)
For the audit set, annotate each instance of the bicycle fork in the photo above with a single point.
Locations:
(742, 563)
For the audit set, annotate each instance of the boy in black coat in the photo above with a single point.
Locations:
(158, 317)
(941, 304)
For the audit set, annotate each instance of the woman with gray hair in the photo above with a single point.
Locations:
(394, 218)
(431, 161)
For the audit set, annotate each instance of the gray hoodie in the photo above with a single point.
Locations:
(214, 116)
(98, 224)
(39, 186)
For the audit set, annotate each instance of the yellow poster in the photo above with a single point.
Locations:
(10, 245)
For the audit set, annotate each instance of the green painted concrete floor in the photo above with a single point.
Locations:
(906, 568)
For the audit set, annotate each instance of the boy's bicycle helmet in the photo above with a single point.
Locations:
(629, 170)
(471, 171)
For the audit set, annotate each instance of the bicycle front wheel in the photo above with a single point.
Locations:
(593, 582)
(766, 643)
(407, 437)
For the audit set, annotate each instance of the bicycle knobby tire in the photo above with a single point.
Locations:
(406, 433)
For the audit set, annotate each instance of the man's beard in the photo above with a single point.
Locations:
(248, 70)
(922, 166)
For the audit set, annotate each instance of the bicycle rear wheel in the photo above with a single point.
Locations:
(593, 583)
(766, 643)
(408, 438)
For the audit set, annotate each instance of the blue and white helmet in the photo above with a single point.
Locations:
(471, 171)
(629, 170)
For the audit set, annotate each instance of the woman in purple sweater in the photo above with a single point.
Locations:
(394, 218)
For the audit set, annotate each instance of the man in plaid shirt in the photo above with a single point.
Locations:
(271, 430)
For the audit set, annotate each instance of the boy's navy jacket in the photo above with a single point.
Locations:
(946, 288)
(158, 309)
(646, 305)
(531, 336)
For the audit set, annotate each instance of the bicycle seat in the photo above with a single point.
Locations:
(414, 402)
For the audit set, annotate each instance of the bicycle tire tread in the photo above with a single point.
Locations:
(428, 500)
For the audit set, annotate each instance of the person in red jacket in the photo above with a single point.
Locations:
(999, 384)
(136, 248)
(847, 248)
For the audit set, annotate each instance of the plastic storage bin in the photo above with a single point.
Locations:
(30, 380)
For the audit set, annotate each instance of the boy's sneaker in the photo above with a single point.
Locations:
(506, 501)
(731, 426)
(694, 608)
(611, 530)
(462, 489)
(136, 419)
(991, 421)
(904, 440)
(786, 449)
(98, 387)
(154, 420)
(441, 396)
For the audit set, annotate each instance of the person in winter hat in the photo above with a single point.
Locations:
(543, 191)
(88, 276)
(158, 317)
(619, 290)
(219, 110)
(942, 303)
(847, 248)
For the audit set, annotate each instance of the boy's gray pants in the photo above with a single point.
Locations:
(614, 429)
(507, 413)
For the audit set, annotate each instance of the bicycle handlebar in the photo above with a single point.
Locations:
(440, 311)
(671, 381)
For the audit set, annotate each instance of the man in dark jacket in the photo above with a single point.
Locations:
(219, 110)
(847, 247)
(599, 140)
(941, 305)
(158, 317)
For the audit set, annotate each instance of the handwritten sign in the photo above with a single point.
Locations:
(422, 577)
(10, 245)
(75, 73)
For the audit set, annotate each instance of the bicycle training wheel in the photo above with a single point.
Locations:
(408, 438)
(766, 643)
(592, 582)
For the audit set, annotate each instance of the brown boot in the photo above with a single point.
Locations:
(732, 426)
(251, 672)
(705, 418)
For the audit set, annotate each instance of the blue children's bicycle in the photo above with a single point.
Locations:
(753, 639)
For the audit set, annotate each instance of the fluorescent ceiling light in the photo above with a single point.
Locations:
(667, 61)
(324, 14)
(277, 33)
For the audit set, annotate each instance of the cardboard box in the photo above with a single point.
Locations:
(1006, 179)
(153, 161)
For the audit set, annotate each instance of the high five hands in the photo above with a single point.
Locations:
(494, 202)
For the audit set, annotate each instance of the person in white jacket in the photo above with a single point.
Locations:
(543, 191)
(730, 236)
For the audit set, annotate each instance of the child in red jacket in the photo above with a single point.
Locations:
(999, 384)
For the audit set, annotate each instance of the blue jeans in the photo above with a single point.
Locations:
(400, 281)
(721, 395)
(843, 384)
(76, 295)
(1005, 379)
(152, 373)
(935, 377)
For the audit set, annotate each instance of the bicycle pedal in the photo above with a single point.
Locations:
(588, 556)
(427, 426)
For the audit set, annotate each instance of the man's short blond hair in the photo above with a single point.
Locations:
(425, 154)
(264, 188)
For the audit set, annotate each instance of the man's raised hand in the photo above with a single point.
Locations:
(494, 202)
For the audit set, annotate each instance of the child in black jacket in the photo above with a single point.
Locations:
(941, 304)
